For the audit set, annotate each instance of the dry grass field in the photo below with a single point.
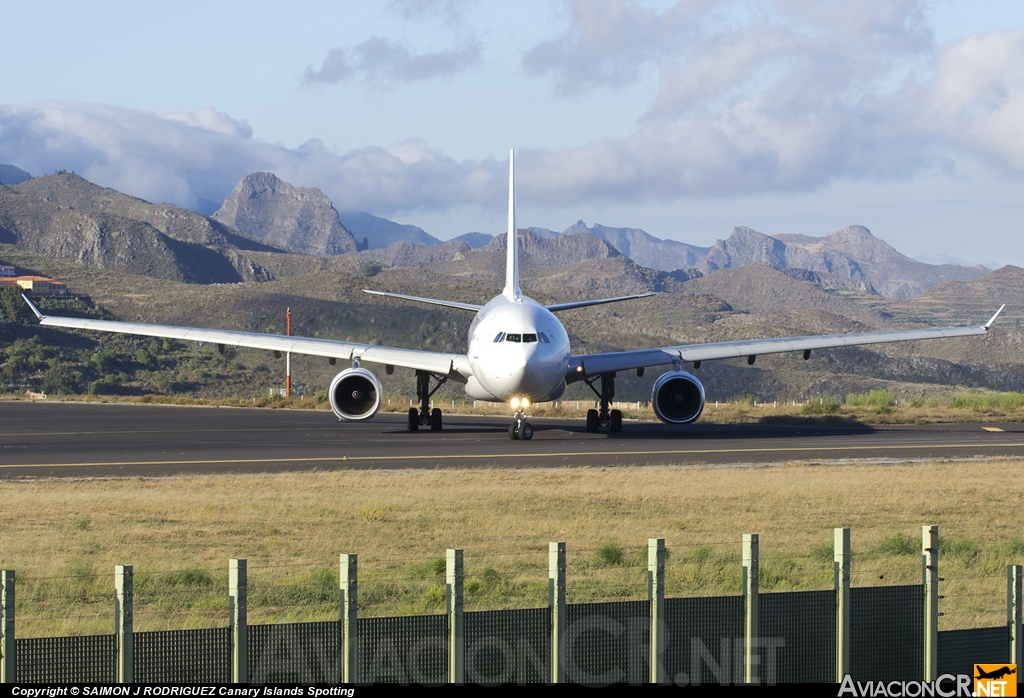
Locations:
(63, 537)
(871, 407)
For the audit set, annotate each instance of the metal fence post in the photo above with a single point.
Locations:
(1014, 600)
(556, 602)
(124, 602)
(8, 664)
(750, 590)
(841, 565)
(930, 579)
(456, 633)
(349, 619)
(238, 604)
(656, 595)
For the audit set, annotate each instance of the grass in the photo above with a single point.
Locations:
(871, 407)
(64, 536)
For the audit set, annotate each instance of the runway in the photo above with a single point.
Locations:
(69, 439)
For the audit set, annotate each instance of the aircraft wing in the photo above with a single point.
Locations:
(587, 365)
(455, 366)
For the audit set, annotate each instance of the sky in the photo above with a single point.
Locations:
(682, 118)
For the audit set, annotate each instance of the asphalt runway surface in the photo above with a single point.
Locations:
(55, 439)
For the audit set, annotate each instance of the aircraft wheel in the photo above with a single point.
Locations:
(593, 421)
(512, 432)
(616, 421)
(525, 431)
(414, 419)
(435, 420)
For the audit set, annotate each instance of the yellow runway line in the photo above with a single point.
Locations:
(564, 454)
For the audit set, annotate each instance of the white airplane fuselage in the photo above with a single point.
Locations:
(517, 349)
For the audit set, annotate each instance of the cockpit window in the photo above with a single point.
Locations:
(513, 337)
(543, 338)
(501, 336)
(529, 338)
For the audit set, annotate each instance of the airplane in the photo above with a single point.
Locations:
(995, 673)
(519, 353)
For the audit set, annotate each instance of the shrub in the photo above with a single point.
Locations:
(609, 554)
(823, 404)
(899, 544)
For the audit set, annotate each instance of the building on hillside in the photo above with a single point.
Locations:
(37, 285)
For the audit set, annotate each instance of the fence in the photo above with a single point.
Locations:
(870, 633)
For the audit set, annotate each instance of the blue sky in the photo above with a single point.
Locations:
(682, 118)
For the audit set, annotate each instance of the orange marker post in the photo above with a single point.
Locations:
(288, 360)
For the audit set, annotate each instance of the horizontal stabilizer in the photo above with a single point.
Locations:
(431, 301)
(584, 304)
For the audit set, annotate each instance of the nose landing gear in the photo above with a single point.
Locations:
(520, 429)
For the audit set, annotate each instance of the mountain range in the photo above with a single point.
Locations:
(66, 216)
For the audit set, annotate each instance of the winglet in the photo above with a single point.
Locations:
(993, 318)
(32, 307)
(512, 254)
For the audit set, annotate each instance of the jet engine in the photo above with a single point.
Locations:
(677, 397)
(355, 394)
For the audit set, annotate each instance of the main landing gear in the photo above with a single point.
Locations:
(425, 416)
(605, 418)
(520, 429)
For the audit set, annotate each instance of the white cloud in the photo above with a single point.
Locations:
(749, 98)
(976, 98)
(189, 158)
(383, 61)
(785, 96)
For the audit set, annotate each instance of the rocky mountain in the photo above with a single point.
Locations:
(643, 248)
(850, 258)
(299, 219)
(67, 217)
(9, 174)
(474, 240)
(555, 250)
(410, 254)
(374, 233)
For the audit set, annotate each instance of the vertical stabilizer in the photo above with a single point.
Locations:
(512, 253)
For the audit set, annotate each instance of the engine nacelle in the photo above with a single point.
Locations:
(355, 394)
(677, 397)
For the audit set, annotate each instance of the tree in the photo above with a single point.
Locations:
(12, 305)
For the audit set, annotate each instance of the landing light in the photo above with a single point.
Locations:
(514, 402)
(526, 402)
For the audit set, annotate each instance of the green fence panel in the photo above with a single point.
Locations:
(887, 633)
(294, 653)
(511, 646)
(960, 650)
(608, 642)
(183, 656)
(703, 633)
(79, 659)
(801, 626)
(404, 650)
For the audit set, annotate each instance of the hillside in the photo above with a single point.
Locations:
(67, 217)
(380, 232)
